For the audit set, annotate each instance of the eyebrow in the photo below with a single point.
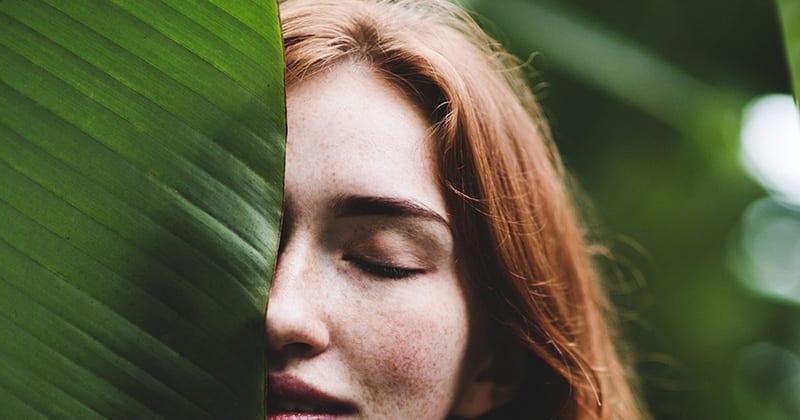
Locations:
(360, 205)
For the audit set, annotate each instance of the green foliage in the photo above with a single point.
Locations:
(645, 99)
(141, 159)
(790, 19)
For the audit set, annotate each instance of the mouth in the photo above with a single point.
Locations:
(289, 398)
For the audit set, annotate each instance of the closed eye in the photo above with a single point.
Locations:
(383, 270)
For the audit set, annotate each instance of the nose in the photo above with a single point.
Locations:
(295, 313)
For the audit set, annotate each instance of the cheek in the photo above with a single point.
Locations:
(405, 360)
(422, 351)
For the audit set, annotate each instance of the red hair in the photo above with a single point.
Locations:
(519, 236)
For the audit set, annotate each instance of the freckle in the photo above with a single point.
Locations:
(404, 360)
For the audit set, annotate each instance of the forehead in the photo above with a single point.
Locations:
(352, 132)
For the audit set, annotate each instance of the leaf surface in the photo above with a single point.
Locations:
(790, 20)
(141, 168)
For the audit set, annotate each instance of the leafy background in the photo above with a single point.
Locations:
(647, 100)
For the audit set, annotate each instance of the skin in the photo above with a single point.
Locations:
(368, 303)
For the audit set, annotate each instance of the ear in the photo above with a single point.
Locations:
(496, 381)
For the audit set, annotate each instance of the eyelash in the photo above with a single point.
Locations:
(382, 270)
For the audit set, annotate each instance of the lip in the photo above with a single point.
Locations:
(293, 388)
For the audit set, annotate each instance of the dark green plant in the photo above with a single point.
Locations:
(141, 166)
(790, 21)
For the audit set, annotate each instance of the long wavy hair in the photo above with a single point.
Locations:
(518, 233)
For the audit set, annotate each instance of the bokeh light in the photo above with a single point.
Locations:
(771, 145)
(767, 255)
(769, 261)
(767, 383)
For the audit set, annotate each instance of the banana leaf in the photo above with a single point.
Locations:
(789, 11)
(141, 172)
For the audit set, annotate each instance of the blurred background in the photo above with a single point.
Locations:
(676, 120)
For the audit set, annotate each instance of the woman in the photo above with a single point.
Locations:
(431, 263)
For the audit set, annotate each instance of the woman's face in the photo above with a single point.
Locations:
(368, 315)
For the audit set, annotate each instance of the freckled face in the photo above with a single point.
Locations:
(367, 305)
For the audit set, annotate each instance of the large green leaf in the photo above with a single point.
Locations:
(790, 20)
(141, 164)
